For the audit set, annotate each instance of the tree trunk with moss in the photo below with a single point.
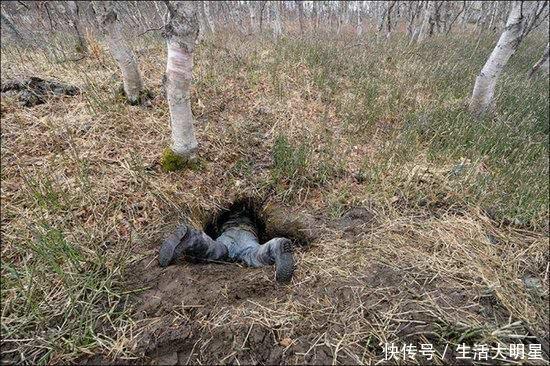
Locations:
(181, 32)
(121, 51)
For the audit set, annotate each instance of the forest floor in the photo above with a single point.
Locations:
(414, 223)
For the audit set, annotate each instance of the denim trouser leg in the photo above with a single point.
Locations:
(242, 246)
(214, 250)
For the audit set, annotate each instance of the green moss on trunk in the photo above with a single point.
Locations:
(170, 161)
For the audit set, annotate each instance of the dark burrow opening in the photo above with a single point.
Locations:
(269, 222)
(244, 207)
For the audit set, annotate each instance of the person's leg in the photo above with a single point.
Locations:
(189, 241)
(238, 241)
(277, 251)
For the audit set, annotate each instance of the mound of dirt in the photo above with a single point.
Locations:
(190, 302)
(194, 305)
(356, 220)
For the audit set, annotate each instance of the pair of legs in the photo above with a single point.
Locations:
(238, 242)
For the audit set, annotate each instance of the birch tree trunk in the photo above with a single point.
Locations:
(277, 23)
(359, 23)
(181, 32)
(484, 88)
(542, 64)
(465, 17)
(236, 17)
(450, 24)
(390, 5)
(315, 14)
(75, 23)
(493, 17)
(262, 8)
(252, 14)
(438, 21)
(121, 51)
(434, 17)
(203, 25)
(411, 17)
(427, 24)
(300, 6)
(207, 16)
(18, 37)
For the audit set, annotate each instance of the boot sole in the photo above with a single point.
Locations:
(285, 267)
(168, 247)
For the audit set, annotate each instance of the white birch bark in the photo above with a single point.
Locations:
(181, 32)
(300, 6)
(261, 11)
(339, 16)
(206, 24)
(460, 13)
(277, 23)
(75, 23)
(203, 27)
(411, 18)
(359, 23)
(236, 17)
(493, 16)
(316, 14)
(464, 19)
(426, 29)
(16, 34)
(390, 5)
(208, 17)
(542, 64)
(484, 88)
(121, 52)
(252, 15)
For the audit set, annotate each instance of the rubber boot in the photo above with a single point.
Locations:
(277, 251)
(189, 241)
(241, 238)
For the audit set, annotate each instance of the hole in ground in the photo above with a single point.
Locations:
(243, 207)
(269, 222)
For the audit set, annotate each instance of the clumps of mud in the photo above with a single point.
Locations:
(34, 90)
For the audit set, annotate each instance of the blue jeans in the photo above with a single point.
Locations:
(243, 246)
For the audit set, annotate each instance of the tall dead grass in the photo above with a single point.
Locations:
(323, 125)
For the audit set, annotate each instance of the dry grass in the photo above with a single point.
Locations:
(82, 195)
